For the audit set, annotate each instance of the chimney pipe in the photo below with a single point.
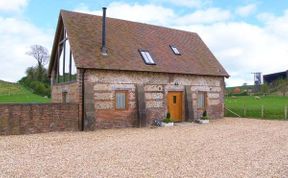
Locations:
(103, 48)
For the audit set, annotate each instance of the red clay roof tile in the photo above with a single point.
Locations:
(125, 38)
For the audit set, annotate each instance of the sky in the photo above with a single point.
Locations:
(246, 36)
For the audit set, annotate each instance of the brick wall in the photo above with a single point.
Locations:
(37, 118)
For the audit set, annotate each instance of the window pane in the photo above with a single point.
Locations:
(120, 100)
(175, 50)
(174, 99)
(147, 57)
(201, 100)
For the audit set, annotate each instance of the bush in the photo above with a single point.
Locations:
(37, 81)
(204, 116)
(244, 93)
(168, 115)
(168, 118)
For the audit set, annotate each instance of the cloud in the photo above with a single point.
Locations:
(148, 13)
(210, 15)
(16, 38)
(190, 3)
(245, 11)
(241, 47)
(276, 25)
(12, 5)
(159, 15)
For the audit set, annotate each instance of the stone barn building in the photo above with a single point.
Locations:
(126, 74)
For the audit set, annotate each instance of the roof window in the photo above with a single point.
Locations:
(175, 50)
(147, 57)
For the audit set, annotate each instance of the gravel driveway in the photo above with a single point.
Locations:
(223, 148)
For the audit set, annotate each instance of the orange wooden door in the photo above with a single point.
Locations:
(175, 105)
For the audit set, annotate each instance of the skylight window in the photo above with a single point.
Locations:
(147, 57)
(175, 50)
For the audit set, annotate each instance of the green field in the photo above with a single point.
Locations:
(15, 93)
(249, 106)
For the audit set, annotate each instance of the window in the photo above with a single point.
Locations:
(65, 68)
(175, 50)
(147, 57)
(201, 100)
(174, 99)
(121, 100)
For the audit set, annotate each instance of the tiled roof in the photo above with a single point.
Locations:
(125, 38)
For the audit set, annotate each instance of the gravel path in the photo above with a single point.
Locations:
(223, 148)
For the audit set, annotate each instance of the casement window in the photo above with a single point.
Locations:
(201, 100)
(175, 50)
(146, 56)
(121, 100)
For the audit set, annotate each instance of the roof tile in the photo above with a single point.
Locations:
(123, 40)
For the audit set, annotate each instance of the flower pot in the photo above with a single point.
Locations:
(203, 121)
(169, 124)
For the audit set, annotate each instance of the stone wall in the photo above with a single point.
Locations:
(71, 88)
(38, 118)
(156, 87)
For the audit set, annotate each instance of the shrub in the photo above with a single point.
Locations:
(244, 93)
(168, 118)
(168, 115)
(204, 116)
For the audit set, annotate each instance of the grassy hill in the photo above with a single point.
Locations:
(242, 88)
(250, 106)
(15, 93)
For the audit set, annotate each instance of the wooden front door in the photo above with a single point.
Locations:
(174, 99)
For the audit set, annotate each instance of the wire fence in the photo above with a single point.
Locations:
(262, 111)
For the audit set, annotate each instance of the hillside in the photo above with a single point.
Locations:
(251, 107)
(273, 91)
(15, 93)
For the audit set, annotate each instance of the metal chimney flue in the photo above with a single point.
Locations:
(104, 48)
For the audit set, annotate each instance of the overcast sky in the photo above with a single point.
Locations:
(245, 36)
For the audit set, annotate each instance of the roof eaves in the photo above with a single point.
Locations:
(55, 44)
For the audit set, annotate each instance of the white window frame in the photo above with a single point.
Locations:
(125, 99)
(202, 99)
(175, 50)
(146, 56)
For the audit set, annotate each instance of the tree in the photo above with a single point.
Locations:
(36, 77)
(265, 88)
(282, 84)
(40, 53)
(40, 87)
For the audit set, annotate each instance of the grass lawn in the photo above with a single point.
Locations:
(273, 106)
(15, 93)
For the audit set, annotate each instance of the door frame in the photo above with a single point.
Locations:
(182, 104)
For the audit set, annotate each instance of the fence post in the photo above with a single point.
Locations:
(285, 112)
(244, 113)
(262, 111)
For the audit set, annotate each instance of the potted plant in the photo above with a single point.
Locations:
(167, 122)
(204, 118)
